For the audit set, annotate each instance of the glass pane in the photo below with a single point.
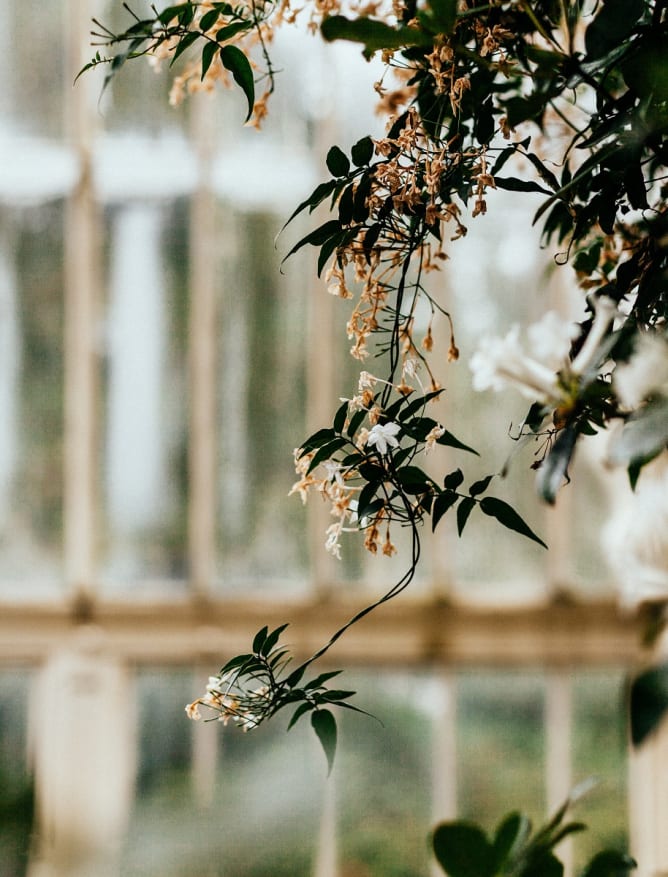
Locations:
(31, 395)
(143, 477)
(383, 778)
(262, 815)
(600, 750)
(262, 532)
(16, 787)
(137, 100)
(32, 67)
(500, 745)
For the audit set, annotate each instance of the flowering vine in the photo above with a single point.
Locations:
(528, 96)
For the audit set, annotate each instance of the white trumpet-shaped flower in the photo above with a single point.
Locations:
(383, 435)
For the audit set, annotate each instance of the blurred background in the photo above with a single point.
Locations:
(157, 368)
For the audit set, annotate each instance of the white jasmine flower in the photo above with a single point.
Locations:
(383, 435)
(500, 362)
(605, 310)
(646, 372)
(334, 472)
(550, 340)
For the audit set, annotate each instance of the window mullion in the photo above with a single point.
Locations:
(82, 271)
(202, 362)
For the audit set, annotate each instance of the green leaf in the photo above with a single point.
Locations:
(609, 863)
(298, 713)
(338, 163)
(324, 725)
(362, 152)
(208, 20)
(237, 63)
(320, 680)
(453, 480)
(616, 19)
(184, 43)
(464, 509)
(318, 236)
(316, 197)
(505, 514)
(510, 836)
(450, 441)
(366, 498)
(649, 702)
(272, 639)
(643, 436)
(463, 850)
(340, 417)
(318, 439)
(325, 452)
(412, 479)
(231, 30)
(512, 184)
(554, 468)
(374, 35)
(260, 637)
(443, 502)
(355, 422)
(208, 54)
(481, 486)
(445, 14)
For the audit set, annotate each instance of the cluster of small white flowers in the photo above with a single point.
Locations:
(245, 711)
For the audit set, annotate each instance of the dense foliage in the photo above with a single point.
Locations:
(562, 99)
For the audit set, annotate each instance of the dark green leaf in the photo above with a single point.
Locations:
(355, 422)
(272, 639)
(299, 712)
(318, 236)
(325, 452)
(463, 850)
(554, 468)
(295, 676)
(510, 837)
(443, 502)
(413, 480)
(208, 54)
(464, 509)
(445, 14)
(338, 163)
(231, 30)
(450, 441)
(365, 498)
(259, 639)
(649, 702)
(314, 199)
(609, 863)
(340, 417)
(505, 514)
(362, 152)
(513, 184)
(184, 43)
(318, 681)
(208, 20)
(374, 35)
(453, 480)
(237, 63)
(481, 486)
(613, 23)
(318, 439)
(324, 725)
(643, 436)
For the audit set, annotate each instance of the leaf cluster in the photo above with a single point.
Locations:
(463, 849)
